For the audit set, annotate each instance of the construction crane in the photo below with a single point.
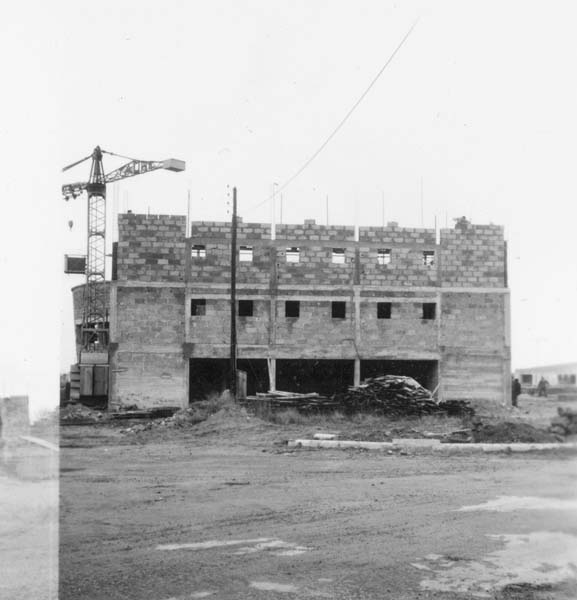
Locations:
(94, 329)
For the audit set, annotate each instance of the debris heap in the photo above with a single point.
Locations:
(565, 423)
(77, 414)
(397, 395)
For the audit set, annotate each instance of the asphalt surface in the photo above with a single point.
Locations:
(234, 517)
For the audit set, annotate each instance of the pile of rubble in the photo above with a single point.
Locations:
(565, 423)
(396, 395)
(510, 432)
(78, 414)
(185, 417)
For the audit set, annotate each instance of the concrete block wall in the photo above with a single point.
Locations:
(215, 266)
(315, 334)
(393, 234)
(217, 230)
(470, 376)
(310, 231)
(407, 245)
(149, 316)
(473, 322)
(210, 333)
(406, 268)
(315, 266)
(148, 379)
(474, 345)
(405, 334)
(151, 247)
(473, 256)
(147, 367)
(316, 244)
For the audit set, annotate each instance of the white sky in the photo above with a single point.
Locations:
(480, 103)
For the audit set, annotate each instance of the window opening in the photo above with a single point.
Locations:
(338, 310)
(429, 309)
(245, 254)
(292, 308)
(293, 255)
(527, 379)
(198, 251)
(384, 256)
(198, 307)
(383, 310)
(245, 308)
(339, 256)
(429, 258)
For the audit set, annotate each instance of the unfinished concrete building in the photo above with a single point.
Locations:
(319, 308)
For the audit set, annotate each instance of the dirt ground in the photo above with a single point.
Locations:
(225, 510)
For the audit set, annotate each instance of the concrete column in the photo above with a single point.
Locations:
(507, 350)
(113, 312)
(187, 298)
(271, 364)
(357, 375)
(357, 326)
(185, 358)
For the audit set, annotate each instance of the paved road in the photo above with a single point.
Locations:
(199, 518)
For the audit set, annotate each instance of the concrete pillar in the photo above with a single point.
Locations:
(507, 350)
(358, 340)
(271, 364)
(439, 383)
(357, 375)
(113, 313)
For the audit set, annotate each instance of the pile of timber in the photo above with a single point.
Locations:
(397, 395)
(302, 402)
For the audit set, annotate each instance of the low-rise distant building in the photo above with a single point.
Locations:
(562, 375)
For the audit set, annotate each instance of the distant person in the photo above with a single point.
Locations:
(515, 391)
(542, 387)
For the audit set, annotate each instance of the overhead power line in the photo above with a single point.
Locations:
(342, 122)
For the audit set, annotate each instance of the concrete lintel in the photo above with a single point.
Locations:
(303, 242)
(433, 290)
(398, 355)
(135, 348)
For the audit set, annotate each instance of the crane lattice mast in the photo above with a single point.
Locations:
(95, 327)
(95, 311)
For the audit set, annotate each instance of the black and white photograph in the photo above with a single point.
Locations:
(288, 298)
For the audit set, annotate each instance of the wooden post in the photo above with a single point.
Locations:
(233, 381)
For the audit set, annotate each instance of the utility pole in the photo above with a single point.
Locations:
(233, 299)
